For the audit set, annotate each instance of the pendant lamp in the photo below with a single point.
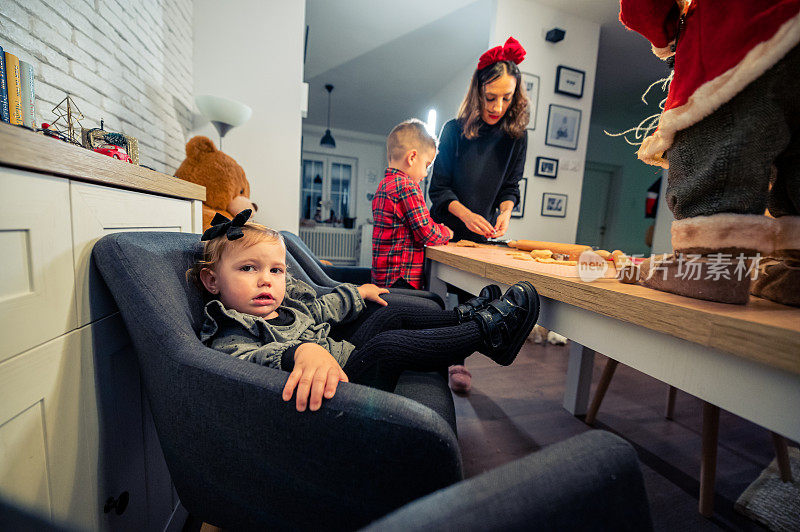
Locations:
(327, 138)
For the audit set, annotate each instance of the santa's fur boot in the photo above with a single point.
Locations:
(714, 258)
(779, 276)
(713, 277)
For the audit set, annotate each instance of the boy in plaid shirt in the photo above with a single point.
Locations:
(403, 224)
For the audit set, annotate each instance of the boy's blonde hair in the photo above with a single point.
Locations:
(408, 135)
(213, 249)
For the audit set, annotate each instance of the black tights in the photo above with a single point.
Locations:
(396, 339)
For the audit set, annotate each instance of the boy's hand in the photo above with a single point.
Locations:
(316, 374)
(371, 292)
(450, 232)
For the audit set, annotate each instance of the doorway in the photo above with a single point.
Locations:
(595, 212)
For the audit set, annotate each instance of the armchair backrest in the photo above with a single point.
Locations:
(306, 259)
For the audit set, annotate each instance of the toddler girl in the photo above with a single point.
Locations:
(261, 314)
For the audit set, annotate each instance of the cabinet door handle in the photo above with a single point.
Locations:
(119, 505)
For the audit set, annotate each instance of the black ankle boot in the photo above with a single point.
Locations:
(506, 323)
(466, 311)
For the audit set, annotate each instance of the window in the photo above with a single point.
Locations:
(326, 187)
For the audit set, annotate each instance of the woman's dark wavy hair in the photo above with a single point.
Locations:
(514, 121)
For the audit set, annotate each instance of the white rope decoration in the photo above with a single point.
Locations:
(649, 124)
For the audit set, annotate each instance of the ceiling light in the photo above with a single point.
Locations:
(327, 138)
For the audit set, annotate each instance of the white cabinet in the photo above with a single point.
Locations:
(36, 296)
(74, 426)
(98, 211)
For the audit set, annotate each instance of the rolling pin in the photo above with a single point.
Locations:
(573, 251)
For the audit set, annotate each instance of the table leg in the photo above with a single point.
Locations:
(579, 379)
(782, 455)
(708, 458)
(600, 392)
(436, 285)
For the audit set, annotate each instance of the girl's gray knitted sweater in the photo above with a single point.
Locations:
(252, 338)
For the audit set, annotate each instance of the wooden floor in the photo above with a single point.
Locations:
(512, 411)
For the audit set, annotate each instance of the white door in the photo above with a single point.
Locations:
(327, 187)
(593, 218)
(340, 170)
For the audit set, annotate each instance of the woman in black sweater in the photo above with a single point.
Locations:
(475, 181)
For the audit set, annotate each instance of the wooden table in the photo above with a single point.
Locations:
(742, 358)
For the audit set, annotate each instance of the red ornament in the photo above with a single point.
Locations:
(512, 50)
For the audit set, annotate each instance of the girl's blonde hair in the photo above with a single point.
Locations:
(213, 249)
(514, 122)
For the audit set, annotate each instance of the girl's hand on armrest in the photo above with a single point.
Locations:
(316, 374)
(371, 292)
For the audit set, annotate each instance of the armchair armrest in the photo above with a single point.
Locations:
(589, 482)
(242, 458)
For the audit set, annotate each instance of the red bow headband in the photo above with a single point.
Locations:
(512, 50)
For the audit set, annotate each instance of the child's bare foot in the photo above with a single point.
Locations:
(507, 322)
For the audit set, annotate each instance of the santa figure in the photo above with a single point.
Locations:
(730, 137)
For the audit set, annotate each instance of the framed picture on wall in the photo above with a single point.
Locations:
(546, 167)
(519, 208)
(569, 81)
(532, 90)
(554, 204)
(563, 126)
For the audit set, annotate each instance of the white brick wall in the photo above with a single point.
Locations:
(128, 62)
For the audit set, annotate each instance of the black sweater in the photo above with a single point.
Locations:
(481, 173)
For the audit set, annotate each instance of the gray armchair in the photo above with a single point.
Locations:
(329, 276)
(242, 458)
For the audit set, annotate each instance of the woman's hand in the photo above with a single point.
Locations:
(371, 292)
(316, 374)
(478, 224)
(501, 226)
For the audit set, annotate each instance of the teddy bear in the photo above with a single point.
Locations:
(227, 188)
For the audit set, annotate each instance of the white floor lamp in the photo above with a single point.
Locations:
(223, 113)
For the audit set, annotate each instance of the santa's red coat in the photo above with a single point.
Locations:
(723, 46)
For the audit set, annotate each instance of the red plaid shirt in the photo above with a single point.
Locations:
(403, 227)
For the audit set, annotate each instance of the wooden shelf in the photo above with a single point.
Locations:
(761, 330)
(22, 148)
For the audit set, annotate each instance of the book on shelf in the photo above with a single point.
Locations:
(4, 116)
(28, 94)
(14, 89)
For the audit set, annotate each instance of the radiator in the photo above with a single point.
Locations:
(337, 245)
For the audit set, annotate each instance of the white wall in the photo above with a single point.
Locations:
(448, 99)
(527, 22)
(128, 63)
(253, 52)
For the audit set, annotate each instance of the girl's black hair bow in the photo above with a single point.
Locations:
(220, 225)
